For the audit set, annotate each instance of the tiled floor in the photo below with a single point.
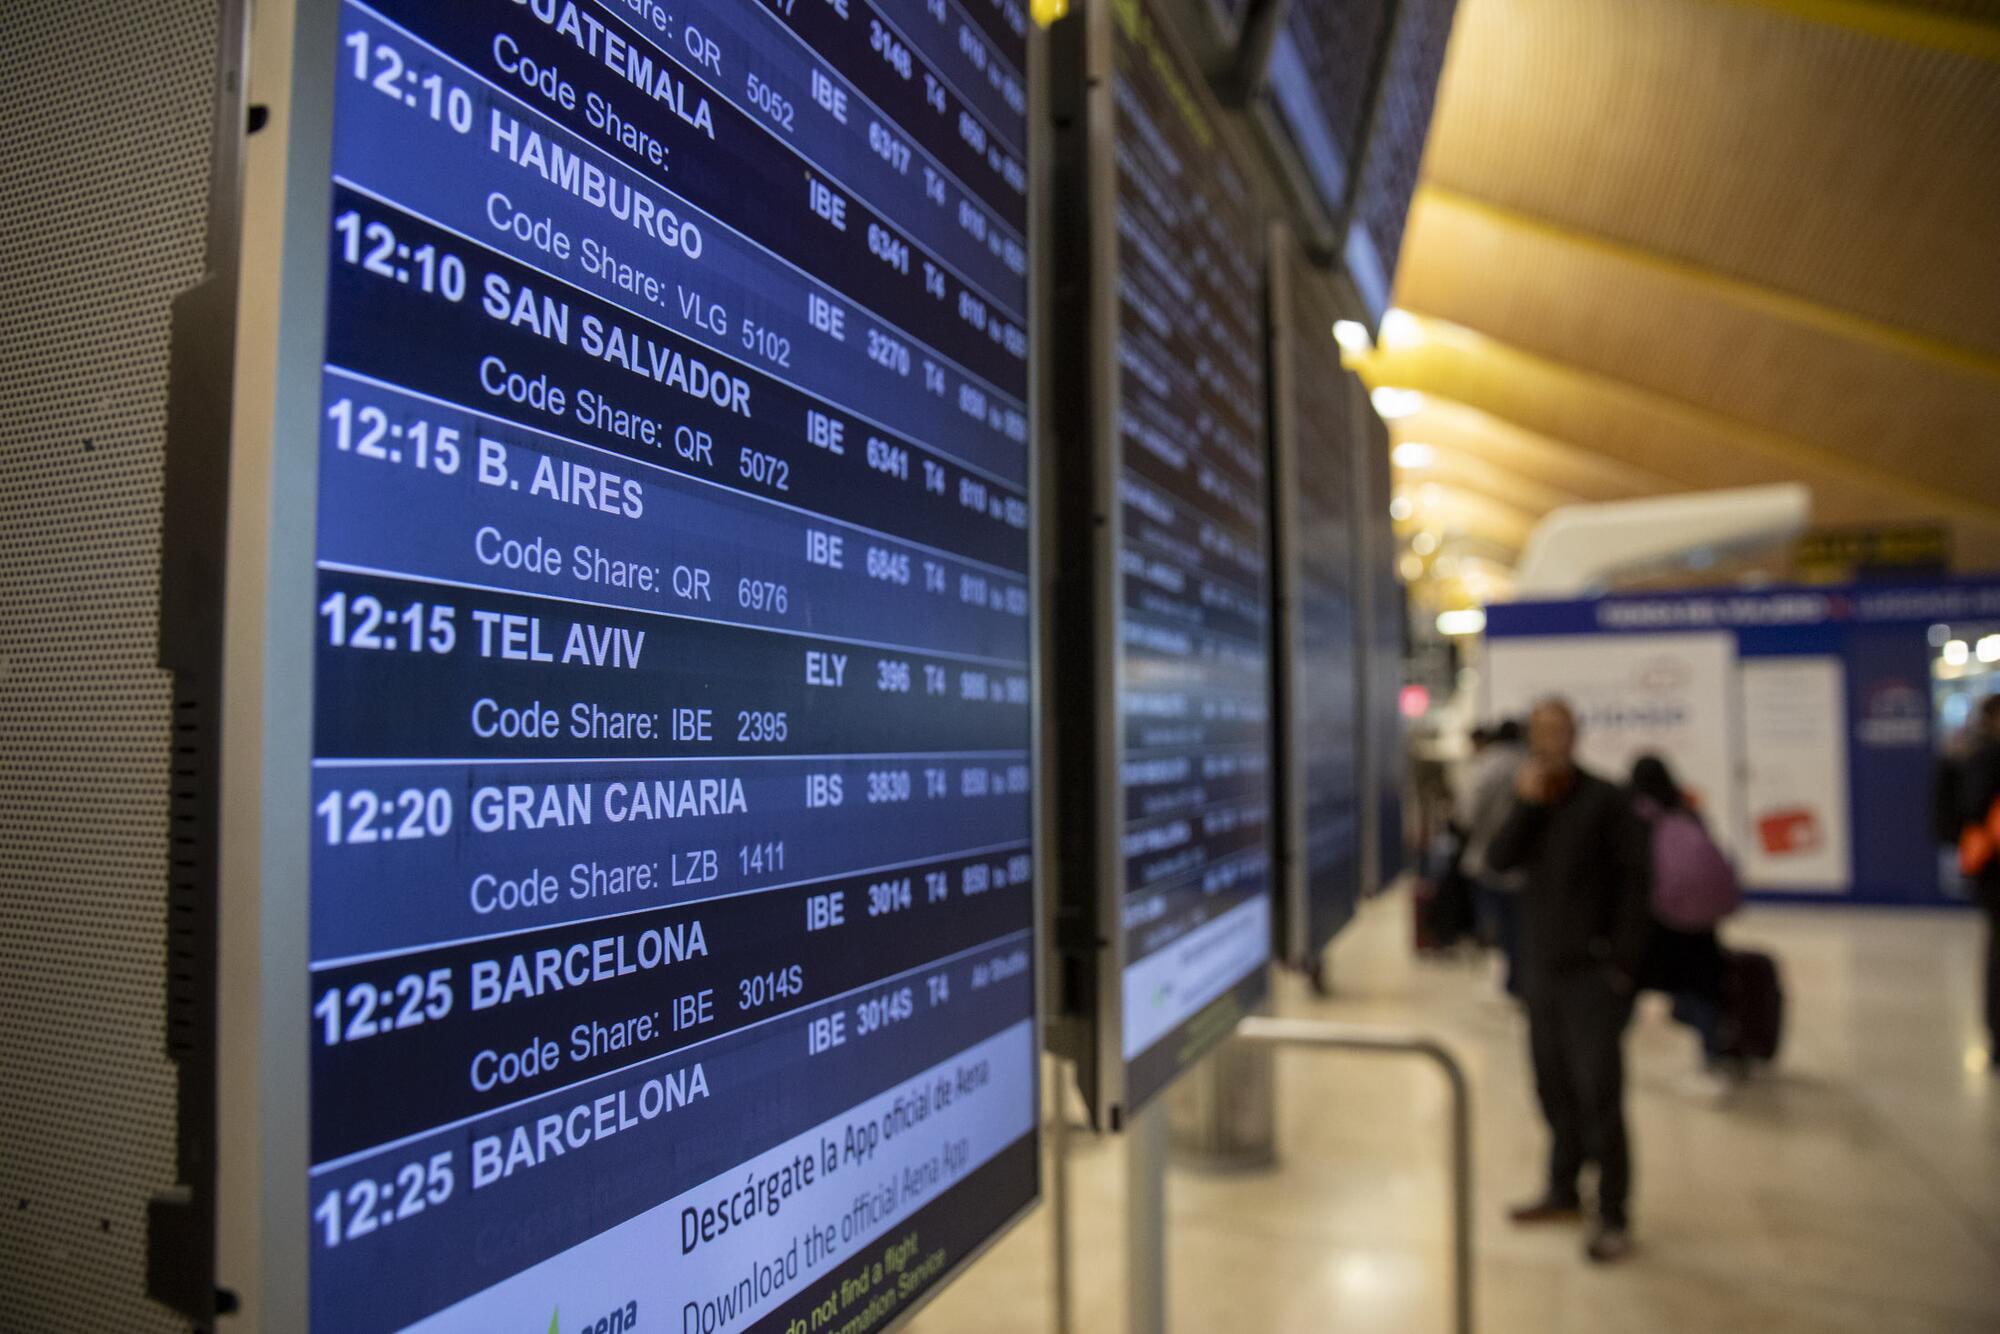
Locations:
(1855, 1189)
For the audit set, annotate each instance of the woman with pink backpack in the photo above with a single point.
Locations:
(1693, 890)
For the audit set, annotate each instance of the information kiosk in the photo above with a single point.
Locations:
(1162, 650)
(629, 892)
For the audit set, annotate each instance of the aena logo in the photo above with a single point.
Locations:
(622, 1320)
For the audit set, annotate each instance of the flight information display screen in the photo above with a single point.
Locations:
(1194, 684)
(671, 907)
(1325, 733)
(1322, 61)
(1383, 633)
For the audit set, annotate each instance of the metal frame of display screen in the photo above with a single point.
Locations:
(1317, 565)
(1160, 652)
(1412, 63)
(630, 908)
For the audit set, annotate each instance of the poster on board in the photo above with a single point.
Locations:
(1673, 695)
(1795, 823)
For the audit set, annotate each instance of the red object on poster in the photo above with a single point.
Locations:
(1787, 830)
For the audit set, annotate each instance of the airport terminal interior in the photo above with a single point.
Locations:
(1000, 666)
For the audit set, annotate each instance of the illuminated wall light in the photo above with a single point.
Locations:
(1400, 330)
(1352, 335)
(1468, 621)
(1956, 652)
(1988, 648)
(1414, 454)
(1400, 509)
(1392, 403)
(1424, 543)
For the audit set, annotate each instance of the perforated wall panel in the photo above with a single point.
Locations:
(104, 141)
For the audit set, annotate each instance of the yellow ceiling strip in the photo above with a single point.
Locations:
(1769, 300)
(1788, 452)
(1894, 22)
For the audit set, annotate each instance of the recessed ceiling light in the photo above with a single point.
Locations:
(1352, 335)
(1469, 621)
(1414, 454)
(1392, 403)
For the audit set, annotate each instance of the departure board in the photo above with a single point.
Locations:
(1319, 84)
(1382, 634)
(671, 904)
(1323, 683)
(1193, 682)
(1411, 68)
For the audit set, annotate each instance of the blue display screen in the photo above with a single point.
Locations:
(1194, 621)
(1326, 675)
(1319, 84)
(671, 904)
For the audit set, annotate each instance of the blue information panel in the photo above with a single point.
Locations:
(1322, 64)
(1412, 66)
(672, 891)
(1194, 684)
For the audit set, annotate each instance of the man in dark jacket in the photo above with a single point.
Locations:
(1978, 792)
(1584, 923)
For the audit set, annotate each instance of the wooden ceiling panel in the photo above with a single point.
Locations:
(1878, 401)
(1813, 158)
(1692, 449)
(1587, 475)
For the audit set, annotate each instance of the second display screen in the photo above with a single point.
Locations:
(1194, 683)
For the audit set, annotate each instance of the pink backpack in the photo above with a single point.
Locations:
(1693, 885)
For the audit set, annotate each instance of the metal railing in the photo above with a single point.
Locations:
(1322, 1035)
(1146, 1153)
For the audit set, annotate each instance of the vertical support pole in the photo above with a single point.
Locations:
(1146, 1220)
(1461, 1187)
(1059, 1199)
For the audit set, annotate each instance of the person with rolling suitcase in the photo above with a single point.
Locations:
(1694, 888)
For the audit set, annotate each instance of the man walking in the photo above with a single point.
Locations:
(1584, 922)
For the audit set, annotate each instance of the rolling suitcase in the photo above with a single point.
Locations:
(1753, 1006)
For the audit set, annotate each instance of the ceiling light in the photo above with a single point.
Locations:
(1411, 567)
(1426, 542)
(1400, 508)
(1392, 403)
(1414, 454)
(1352, 335)
(1400, 329)
(1988, 648)
(1469, 621)
(1956, 652)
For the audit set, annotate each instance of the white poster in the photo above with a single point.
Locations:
(1673, 695)
(1795, 775)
